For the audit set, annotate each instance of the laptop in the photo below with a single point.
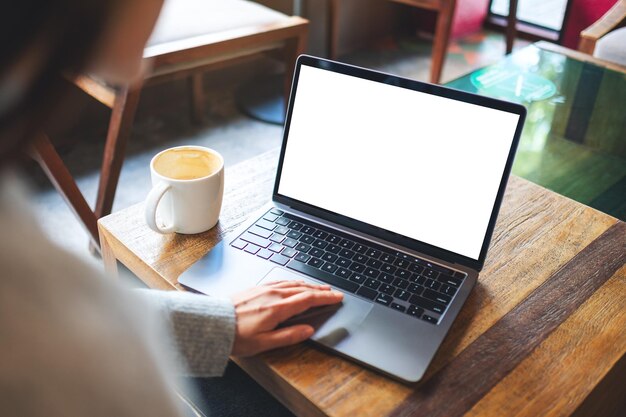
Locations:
(388, 189)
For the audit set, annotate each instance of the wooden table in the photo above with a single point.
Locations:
(542, 334)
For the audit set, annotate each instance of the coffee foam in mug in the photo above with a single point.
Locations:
(186, 164)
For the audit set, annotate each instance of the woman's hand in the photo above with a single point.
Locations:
(259, 310)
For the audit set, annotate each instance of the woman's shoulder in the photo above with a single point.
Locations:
(66, 328)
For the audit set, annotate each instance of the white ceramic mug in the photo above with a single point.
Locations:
(185, 206)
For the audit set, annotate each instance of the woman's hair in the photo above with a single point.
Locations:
(40, 39)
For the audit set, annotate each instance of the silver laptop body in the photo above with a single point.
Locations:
(388, 189)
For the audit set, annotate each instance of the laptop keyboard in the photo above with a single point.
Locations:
(394, 279)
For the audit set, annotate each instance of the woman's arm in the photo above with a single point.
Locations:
(203, 328)
(207, 329)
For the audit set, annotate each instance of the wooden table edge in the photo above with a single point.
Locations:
(278, 387)
(108, 243)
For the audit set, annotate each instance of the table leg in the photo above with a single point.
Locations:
(108, 256)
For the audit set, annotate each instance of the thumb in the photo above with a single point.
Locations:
(284, 337)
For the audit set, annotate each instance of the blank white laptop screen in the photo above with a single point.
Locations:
(412, 163)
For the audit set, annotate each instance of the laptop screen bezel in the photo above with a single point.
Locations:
(369, 229)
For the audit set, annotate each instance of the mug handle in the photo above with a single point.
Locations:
(152, 202)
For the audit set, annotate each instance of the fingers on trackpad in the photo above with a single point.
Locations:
(334, 322)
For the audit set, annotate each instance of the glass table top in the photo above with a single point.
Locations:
(574, 138)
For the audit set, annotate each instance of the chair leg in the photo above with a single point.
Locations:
(196, 94)
(442, 36)
(120, 125)
(47, 157)
(333, 28)
(293, 48)
(511, 27)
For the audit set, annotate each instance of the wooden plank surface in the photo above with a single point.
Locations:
(588, 344)
(548, 252)
(484, 363)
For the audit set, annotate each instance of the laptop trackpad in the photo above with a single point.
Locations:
(333, 324)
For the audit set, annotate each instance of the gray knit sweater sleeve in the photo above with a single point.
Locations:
(203, 328)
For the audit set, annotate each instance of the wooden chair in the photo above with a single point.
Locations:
(445, 12)
(511, 26)
(190, 37)
(606, 27)
(443, 27)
